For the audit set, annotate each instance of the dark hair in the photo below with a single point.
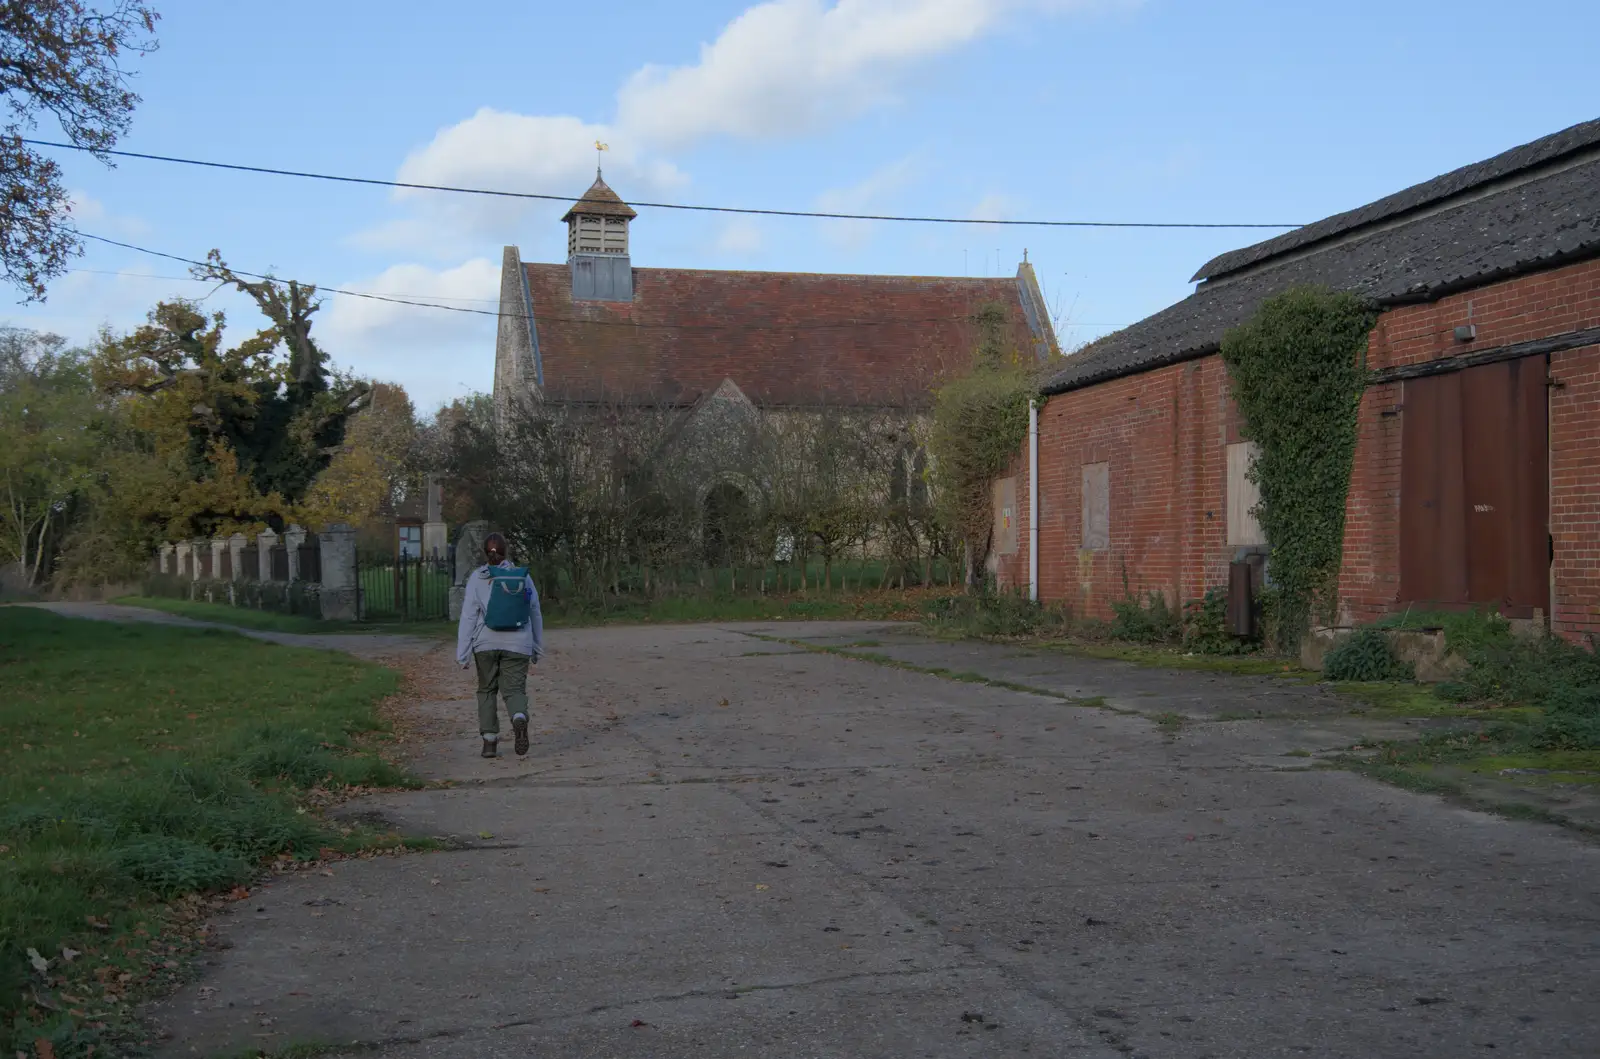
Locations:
(494, 542)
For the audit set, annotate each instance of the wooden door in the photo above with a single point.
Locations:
(1475, 487)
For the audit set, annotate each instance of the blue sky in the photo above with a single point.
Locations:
(1060, 109)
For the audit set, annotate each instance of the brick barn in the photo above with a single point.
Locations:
(595, 330)
(1477, 470)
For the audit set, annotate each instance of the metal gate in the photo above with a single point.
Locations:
(402, 587)
(1475, 489)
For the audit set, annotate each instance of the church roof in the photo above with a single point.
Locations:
(784, 338)
(602, 200)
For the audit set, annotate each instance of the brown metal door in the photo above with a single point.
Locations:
(1474, 489)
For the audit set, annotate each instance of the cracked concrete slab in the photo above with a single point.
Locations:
(718, 849)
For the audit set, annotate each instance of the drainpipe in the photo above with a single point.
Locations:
(1033, 499)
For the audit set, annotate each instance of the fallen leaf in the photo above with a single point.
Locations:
(45, 1049)
(485, 834)
(636, 1023)
(40, 964)
(762, 886)
(68, 955)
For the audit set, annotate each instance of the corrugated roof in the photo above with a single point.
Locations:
(1530, 155)
(784, 338)
(1550, 217)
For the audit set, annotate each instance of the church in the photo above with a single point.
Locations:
(595, 329)
(746, 399)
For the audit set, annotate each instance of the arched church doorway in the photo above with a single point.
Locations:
(727, 525)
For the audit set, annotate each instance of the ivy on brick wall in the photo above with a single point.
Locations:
(1297, 370)
(980, 421)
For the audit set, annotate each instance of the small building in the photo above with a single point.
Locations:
(1477, 470)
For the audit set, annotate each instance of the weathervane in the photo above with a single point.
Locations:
(598, 147)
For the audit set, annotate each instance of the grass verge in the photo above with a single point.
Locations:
(140, 767)
(271, 621)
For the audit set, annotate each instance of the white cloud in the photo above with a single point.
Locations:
(780, 68)
(435, 353)
(791, 66)
(502, 151)
(741, 236)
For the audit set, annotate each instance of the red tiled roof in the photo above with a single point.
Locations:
(784, 338)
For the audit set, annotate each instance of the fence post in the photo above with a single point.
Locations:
(236, 545)
(293, 537)
(199, 548)
(219, 548)
(337, 547)
(469, 549)
(169, 558)
(265, 541)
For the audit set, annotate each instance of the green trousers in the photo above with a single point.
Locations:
(504, 672)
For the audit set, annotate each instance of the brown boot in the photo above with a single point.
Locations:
(519, 725)
(491, 748)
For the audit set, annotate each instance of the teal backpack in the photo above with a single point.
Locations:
(508, 609)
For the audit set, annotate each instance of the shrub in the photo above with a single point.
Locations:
(1205, 626)
(1149, 621)
(996, 614)
(1365, 656)
(1559, 678)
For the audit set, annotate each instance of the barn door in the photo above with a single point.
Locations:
(1475, 487)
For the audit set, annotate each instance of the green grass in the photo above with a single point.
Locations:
(816, 606)
(140, 764)
(271, 621)
(1177, 658)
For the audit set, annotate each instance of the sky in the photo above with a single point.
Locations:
(1111, 110)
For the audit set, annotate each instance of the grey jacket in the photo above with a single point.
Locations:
(473, 636)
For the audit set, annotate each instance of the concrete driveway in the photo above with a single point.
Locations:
(725, 845)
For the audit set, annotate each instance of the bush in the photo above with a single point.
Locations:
(1559, 678)
(997, 614)
(1365, 656)
(1148, 621)
(1205, 626)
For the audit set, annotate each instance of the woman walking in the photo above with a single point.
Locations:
(502, 632)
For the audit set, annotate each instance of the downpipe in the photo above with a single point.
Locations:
(1033, 499)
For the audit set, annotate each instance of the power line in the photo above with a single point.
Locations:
(372, 181)
(536, 319)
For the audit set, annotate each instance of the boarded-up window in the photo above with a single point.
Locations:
(1005, 516)
(1243, 496)
(1096, 506)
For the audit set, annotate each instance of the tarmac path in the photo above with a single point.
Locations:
(726, 842)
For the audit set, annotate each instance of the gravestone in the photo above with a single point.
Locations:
(293, 538)
(236, 544)
(338, 596)
(266, 540)
(469, 556)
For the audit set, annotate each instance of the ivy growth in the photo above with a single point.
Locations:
(980, 421)
(1298, 370)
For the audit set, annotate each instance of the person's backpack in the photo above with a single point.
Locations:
(508, 609)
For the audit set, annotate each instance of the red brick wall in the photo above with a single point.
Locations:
(1529, 307)
(1164, 434)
